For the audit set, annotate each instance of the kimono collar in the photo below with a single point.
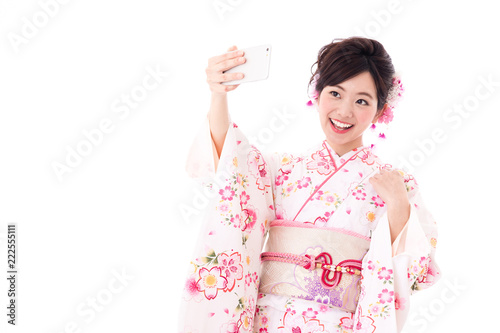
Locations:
(338, 160)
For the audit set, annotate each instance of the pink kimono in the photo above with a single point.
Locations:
(318, 212)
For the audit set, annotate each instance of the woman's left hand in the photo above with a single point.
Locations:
(390, 187)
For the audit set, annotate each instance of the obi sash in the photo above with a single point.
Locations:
(311, 263)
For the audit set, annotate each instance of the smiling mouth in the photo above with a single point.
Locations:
(340, 126)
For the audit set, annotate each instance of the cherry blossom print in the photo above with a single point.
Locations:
(424, 261)
(240, 179)
(359, 194)
(287, 163)
(280, 213)
(211, 281)
(230, 327)
(286, 169)
(235, 220)
(377, 201)
(248, 279)
(261, 318)
(371, 265)
(244, 197)
(257, 168)
(332, 199)
(399, 302)
(224, 207)
(231, 268)
(386, 296)
(191, 290)
(248, 218)
(191, 287)
(280, 179)
(304, 182)
(346, 323)
(385, 274)
(432, 273)
(324, 308)
(363, 324)
(375, 309)
(310, 313)
(319, 195)
(254, 162)
(379, 310)
(245, 323)
(226, 193)
(367, 157)
(320, 220)
(294, 323)
(321, 162)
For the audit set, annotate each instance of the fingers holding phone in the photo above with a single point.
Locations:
(218, 65)
(255, 66)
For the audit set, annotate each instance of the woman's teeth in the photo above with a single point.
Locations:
(340, 125)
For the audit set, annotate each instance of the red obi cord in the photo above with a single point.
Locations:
(332, 274)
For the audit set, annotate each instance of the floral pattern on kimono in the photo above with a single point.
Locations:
(318, 189)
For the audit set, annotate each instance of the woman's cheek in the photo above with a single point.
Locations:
(366, 117)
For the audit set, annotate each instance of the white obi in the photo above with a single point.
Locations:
(311, 263)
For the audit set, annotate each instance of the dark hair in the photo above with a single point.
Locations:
(343, 59)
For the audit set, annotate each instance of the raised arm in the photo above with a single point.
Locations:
(218, 115)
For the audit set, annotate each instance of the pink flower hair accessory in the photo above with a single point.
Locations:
(393, 97)
(312, 92)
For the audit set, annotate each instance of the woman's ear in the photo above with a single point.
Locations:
(379, 114)
(315, 103)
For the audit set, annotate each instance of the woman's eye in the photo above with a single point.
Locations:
(362, 101)
(335, 94)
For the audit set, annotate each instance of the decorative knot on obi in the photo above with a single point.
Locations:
(315, 264)
(331, 273)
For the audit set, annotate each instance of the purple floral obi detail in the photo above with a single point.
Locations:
(311, 263)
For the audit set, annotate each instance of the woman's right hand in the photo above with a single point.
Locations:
(218, 64)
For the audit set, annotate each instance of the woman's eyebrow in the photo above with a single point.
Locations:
(366, 94)
(359, 93)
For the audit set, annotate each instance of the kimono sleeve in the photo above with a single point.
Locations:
(392, 273)
(221, 287)
(418, 240)
(200, 163)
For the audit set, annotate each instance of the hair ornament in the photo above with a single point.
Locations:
(312, 92)
(393, 97)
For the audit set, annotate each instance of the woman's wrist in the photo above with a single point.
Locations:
(398, 214)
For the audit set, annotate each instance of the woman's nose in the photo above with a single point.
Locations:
(345, 110)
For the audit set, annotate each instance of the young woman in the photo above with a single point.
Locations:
(348, 237)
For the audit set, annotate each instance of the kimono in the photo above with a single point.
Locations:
(253, 196)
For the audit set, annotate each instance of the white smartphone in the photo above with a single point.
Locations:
(256, 66)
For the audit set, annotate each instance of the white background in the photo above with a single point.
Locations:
(118, 210)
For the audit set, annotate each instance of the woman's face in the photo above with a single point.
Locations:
(346, 110)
